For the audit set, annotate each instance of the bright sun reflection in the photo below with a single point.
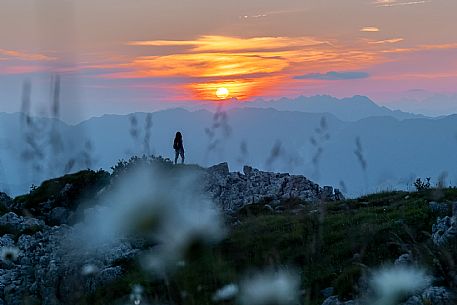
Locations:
(222, 93)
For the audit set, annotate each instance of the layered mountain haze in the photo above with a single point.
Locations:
(383, 150)
(346, 109)
(420, 100)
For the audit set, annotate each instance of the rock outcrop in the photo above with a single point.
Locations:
(50, 268)
(10, 223)
(233, 190)
(445, 230)
(432, 295)
(5, 201)
(333, 300)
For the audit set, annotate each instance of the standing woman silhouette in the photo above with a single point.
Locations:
(179, 148)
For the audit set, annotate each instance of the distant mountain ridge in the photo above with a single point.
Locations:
(347, 109)
(367, 155)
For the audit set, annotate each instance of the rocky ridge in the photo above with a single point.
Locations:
(231, 191)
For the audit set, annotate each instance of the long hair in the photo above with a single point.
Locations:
(178, 136)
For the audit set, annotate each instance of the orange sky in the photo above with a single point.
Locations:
(186, 50)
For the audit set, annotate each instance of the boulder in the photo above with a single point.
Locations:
(327, 292)
(13, 224)
(405, 259)
(432, 296)
(338, 195)
(414, 300)
(247, 170)
(327, 192)
(444, 230)
(58, 216)
(333, 300)
(221, 170)
(438, 296)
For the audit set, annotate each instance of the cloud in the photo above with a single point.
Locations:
(245, 66)
(253, 16)
(445, 46)
(369, 29)
(17, 68)
(392, 40)
(333, 75)
(14, 62)
(25, 56)
(272, 13)
(422, 48)
(391, 3)
(214, 43)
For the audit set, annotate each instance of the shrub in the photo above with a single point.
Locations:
(68, 191)
(422, 185)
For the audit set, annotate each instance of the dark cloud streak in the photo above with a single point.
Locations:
(333, 75)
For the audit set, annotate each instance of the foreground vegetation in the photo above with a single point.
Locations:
(331, 245)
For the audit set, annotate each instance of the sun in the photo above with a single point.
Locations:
(222, 93)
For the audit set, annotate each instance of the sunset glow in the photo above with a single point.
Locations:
(379, 48)
(222, 93)
(246, 67)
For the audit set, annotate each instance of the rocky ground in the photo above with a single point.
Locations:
(43, 261)
(233, 191)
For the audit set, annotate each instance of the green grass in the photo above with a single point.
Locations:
(84, 186)
(330, 248)
(50, 189)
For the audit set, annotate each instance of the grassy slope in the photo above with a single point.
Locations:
(331, 246)
(84, 186)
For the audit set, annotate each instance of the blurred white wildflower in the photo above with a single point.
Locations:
(89, 269)
(393, 283)
(280, 287)
(9, 254)
(136, 296)
(226, 293)
(166, 207)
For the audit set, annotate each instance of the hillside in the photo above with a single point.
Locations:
(318, 146)
(144, 233)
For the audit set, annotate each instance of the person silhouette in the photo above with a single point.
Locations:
(178, 147)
